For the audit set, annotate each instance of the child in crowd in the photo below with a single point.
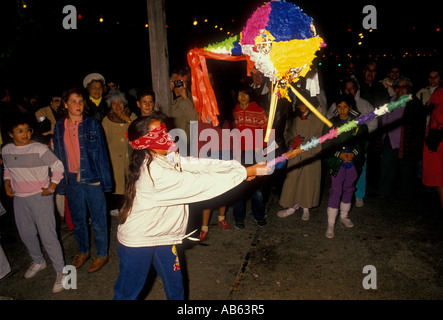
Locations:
(154, 216)
(27, 165)
(344, 161)
(80, 143)
(146, 102)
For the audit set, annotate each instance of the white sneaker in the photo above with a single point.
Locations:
(347, 222)
(58, 285)
(330, 232)
(359, 202)
(285, 213)
(34, 268)
(305, 216)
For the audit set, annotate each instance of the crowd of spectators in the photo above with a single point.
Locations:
(399, 151)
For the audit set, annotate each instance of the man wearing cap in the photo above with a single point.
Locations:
(94, 83)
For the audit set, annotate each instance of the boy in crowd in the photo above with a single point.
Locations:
(27, 165)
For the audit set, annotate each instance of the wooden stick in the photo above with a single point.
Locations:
(311, 107)
(272, 109)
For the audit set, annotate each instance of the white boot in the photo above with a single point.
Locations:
(344, 210)
(332, 215)
(305, 216)
(285, 213)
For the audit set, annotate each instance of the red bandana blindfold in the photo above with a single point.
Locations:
(158, 138)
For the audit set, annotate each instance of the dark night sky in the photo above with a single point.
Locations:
(37, 52)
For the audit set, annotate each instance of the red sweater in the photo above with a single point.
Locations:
(254, 118)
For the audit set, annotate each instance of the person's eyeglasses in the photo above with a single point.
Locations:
(21, 131)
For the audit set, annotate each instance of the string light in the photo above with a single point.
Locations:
(359, 40)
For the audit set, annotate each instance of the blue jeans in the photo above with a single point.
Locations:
(257, 206)
(257, 202)
(360, 187)
(82, 197)
(134, 268)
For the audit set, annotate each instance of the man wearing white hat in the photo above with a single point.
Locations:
(94, 83)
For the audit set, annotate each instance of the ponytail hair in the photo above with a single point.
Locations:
(137, 129)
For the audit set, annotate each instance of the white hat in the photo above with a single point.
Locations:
(92, 76)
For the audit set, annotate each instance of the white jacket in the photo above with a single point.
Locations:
(363, 106)
(159, 215)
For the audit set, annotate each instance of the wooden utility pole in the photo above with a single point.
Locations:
(158, 45)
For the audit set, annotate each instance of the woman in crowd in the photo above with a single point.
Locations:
(433, 149)
(251, 120)
(115, 125)
(301, 188)
(94, 83)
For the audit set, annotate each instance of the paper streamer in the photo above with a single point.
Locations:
(335, 132)
(202, 92)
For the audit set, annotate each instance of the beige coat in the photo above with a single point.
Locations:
(302, 183)
(119, 150)
(47, 113)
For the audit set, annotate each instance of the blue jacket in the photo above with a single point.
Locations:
(94, 160)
